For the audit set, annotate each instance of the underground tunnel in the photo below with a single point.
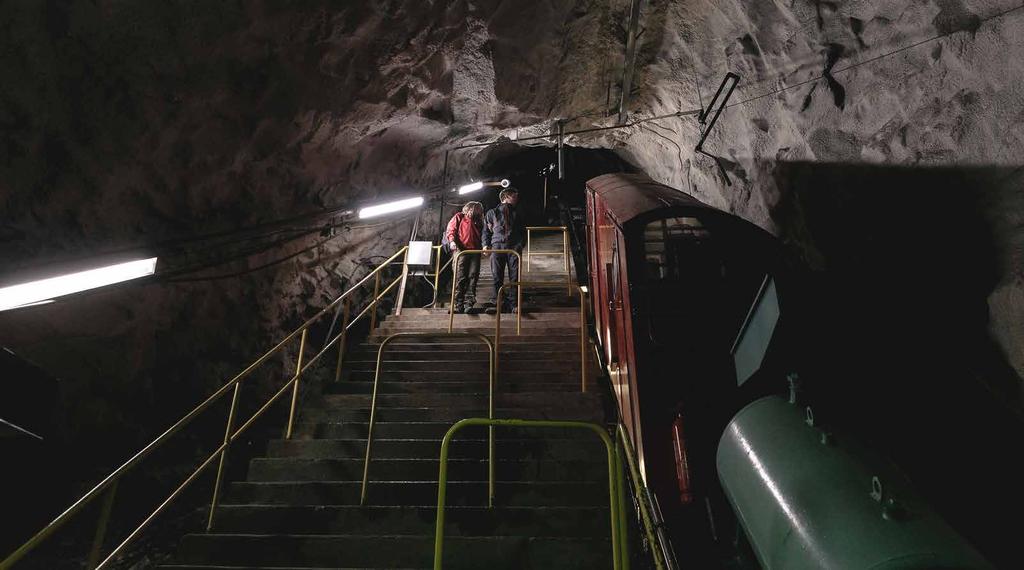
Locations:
(743, 290)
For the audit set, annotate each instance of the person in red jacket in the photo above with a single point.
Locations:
(463, 232)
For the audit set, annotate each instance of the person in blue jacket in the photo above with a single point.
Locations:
(505, 228)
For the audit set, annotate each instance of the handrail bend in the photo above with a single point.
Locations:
(455, 268)
(492, 374)
(519, 322)
(109, 483)
(615, 507)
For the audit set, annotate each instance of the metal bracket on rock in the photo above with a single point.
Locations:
(732, 80)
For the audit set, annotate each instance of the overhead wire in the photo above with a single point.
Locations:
(347, 226)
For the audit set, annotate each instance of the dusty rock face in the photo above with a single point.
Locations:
(948, 109)
(129, 123)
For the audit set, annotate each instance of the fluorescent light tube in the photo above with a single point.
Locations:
(43, 290)
(382, 209)
(471, 187)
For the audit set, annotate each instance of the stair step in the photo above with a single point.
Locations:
(513, 343)
(413, 520)
(450, 352)
(448, 414)
(415, 430)
(412, 383)
(484, 318)
(479, 364)
(433, 312)
(561, 334)
(461, 401)
(508, 373)
(495, 552)
(384, 469)
(250, 567)
(472, 493)
(430, 448)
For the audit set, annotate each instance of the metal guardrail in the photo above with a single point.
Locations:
(617, 512)
(519, 322)
(455, 268)
(109, 484)
(492, 378)
(656, 538)
(654, 528)
(564, 253)
(438, 270)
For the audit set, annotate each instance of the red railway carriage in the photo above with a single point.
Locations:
(672, 279)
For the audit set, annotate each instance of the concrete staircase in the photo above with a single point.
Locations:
(299, 506)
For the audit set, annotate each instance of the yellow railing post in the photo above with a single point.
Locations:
(373, 310)
(565, 248)
(223, 455)
(295, 387)
(345, 307)
(528, 256)
(565, 260)
(437, 269)
(101, 527)
(583, 341)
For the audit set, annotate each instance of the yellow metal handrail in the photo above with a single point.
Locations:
(492, 373)
(109, 483)
(643, 498)
(519, 322)
(564, 253)
(455, 268)
(620, 550)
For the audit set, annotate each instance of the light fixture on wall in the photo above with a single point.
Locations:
(42, 291)
(381, 209)
(473, 187)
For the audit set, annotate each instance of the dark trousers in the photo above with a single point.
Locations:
(499, 261)
(466, 275)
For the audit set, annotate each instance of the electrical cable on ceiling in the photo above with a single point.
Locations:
(167, 275)
(163, 276)
(254, 269)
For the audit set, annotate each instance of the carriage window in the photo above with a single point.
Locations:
(666, 245)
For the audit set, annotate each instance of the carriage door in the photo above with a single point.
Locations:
(624, 375)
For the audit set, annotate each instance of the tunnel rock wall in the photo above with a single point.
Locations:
(859, 129)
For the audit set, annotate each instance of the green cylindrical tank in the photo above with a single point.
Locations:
(809, 500)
